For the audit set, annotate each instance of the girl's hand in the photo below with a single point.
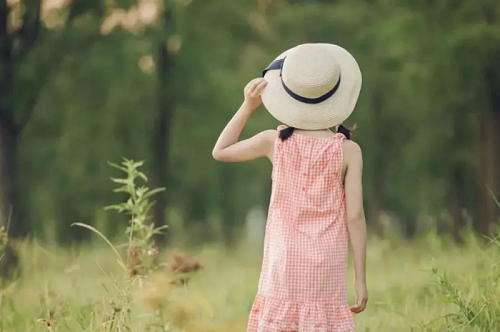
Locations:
(361, 297)
(253, 91)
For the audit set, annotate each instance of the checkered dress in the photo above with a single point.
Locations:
(303, 283)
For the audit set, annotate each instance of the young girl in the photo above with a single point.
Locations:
(316, 204)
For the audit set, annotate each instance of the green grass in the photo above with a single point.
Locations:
(423, 286)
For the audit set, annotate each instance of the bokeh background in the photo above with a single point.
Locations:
(84, 82)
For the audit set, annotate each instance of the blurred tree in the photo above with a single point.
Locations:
(168, 46)
(25, 70)
(17, 40)
(122, 85)
(469, 54)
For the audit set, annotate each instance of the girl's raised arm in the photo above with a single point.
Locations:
(227, 148)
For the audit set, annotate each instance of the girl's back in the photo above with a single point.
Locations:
(304, 272)
(308, 173)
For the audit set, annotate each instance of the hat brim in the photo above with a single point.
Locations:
(326, 114)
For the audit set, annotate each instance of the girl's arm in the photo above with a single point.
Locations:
(356, 220)
(227, 148)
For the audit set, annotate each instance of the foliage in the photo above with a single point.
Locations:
(169, 311)
(471, 312)
(429, 78)
(141, 231)
(142, 250)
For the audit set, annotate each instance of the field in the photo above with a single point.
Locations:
(426, 285)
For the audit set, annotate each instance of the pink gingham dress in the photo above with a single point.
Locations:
(303, 282)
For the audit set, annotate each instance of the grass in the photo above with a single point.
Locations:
(423, 286)
(428, 285)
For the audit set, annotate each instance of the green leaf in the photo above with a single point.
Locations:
(119, 207)
(124, 189)
(137, 164)
(122, 181)
(117, 166)
(140, 191)
(148, 207)
(153, 192)
(141, 206)
(158, 230)
(143, 176)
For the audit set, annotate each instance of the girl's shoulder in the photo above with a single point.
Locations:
(269, 135)
(352, 151)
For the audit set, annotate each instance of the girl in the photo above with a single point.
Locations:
(316, 204)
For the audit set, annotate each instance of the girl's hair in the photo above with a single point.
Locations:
(288, 131)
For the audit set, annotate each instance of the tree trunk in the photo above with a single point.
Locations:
(457, 203)
(161, 135)
(410, 225)
(197, 214)
(160, 148)
(8, 141)
(457, 182)
(489, 152)
(8, 176)
(488, 170)
(10, 128)
(8, 198)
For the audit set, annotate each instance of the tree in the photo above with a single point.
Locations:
(16, 43)
(167, 47)
(25, 69)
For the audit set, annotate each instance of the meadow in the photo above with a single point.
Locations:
(427, 285)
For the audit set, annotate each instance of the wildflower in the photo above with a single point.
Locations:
(135, 260)
(48, 323)
(183, 266)
(153, 251)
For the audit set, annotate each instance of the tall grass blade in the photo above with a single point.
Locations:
(122, 263)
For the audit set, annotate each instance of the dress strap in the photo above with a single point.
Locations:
(338, 139)
(339, 136)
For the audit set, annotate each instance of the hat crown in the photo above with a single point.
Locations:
(310, 72)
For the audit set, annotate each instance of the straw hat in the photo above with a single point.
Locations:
(312, 86)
